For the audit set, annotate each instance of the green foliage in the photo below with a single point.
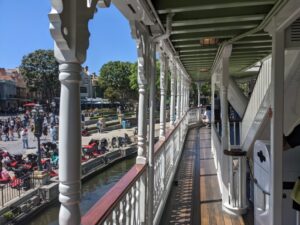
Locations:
(244, 86)
(9, 215)
(114, 80)
(133, 77)
(40, 71)
(206, 89)
(112, 94)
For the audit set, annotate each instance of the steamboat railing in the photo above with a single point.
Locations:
(237, 164)
(126, 202)
(17, 187)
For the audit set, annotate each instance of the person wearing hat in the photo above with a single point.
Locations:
(24, 137)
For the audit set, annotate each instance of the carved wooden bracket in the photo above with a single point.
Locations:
(140, 33)
(69, 28)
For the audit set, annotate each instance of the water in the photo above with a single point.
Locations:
(92, 190)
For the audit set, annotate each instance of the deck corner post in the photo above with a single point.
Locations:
(71, 41)
(173, 92)
(140, 34)
(277, 105)
(226, 165)
(163, 74)
(178, 98)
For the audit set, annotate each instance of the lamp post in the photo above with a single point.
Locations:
(38, 124)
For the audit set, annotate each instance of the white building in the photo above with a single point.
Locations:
(86, 89)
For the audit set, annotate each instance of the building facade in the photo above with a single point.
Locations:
(13, 88)
(86, 89)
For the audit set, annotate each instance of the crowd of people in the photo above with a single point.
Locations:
(18, 127)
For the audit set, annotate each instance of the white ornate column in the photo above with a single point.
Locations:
(226, 167)
(199, 93)
(178, 99)
(69, 143)
(173, 93)
(212, 99)
(143, 40)
(163, 72)
(277, 119)
(150, 170)
(183, 97)
(69, 29)
(188, 96)
(140, 34)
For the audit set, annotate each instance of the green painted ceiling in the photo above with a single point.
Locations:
(221, 19)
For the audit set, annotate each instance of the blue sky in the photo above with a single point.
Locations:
(24, 27)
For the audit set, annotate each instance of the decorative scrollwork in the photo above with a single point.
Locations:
(69, 28)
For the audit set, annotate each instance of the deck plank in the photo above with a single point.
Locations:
(181, 204)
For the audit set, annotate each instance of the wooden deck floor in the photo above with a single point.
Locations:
(196, 198)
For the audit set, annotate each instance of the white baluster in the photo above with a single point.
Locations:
(122, 210)
(134, 201)
(128, 206)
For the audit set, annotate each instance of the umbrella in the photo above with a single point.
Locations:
(30, 104)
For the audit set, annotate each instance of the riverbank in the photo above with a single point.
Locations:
(27, 206)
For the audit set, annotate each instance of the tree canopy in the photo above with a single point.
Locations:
(114, 79)
(40, 71)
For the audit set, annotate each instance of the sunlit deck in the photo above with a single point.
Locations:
(195, 197)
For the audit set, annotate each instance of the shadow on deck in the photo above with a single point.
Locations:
(195, 197)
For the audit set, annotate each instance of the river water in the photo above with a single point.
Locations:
(92, 190)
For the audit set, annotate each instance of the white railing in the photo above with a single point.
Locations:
(234, 133)
(216, 148)
(126, 202)
(257, 97)
(236, 170)
(166, 159)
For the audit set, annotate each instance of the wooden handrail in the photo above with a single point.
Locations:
(106, 204)
(103, 207)
(235, 152)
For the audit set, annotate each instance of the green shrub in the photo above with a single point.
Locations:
(9, 215)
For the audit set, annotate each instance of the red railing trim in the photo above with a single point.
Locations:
(107, 203)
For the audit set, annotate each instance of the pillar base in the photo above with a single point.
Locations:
(234, 210)
(141, 160)
(162, 138)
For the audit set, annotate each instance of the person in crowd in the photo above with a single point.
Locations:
(1, 131)
(6, 131)
(26, 119)
(32, 130)
(18, 128)
(11, 131)
(24, 137)
(99, 125)
(52, 119)
(53, 134)
(45, 129)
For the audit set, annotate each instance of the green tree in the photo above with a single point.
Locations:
(206, 89)
(114, 77)
(111, 94)
(40, 71)
(133, 77)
